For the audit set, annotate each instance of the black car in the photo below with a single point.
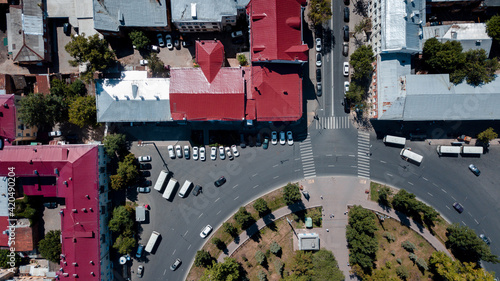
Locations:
(67, 29)
(318, 89)
(186, 43)
(197, 190)
(458, 207)
(318, 75)
(242, 141)
(346, 2)
(346, 33)
(238, 40)
(347, 106)
(346, 14)
(145, 173)
(50, 205)
(145, 166)
(147, 183)
(220, 181)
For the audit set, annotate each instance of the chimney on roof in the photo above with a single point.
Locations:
(56, 171)
(84, 210)
(75, 275)
(92, 262)
(88, 197)
(193, 10)
(75, 210)
(5, 105)
(35, 172)
(75, 264)
(92, 273)
(65, 183)
(91, 209)
(65, 274)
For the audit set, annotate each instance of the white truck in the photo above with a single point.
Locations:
(409, 155)
(160, 182)
(392, 140)
(468, 150)
(170, 188)
(152, 241)
(446, 149)
(185, 188)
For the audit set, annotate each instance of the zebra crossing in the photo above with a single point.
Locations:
(363, 155)
(307, 156)
(333, 122)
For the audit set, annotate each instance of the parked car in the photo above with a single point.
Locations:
(318, 44)
(202, 153)
(222, 156)
(346, 2)
(144, 166)
(318, 59)
(346, 33)
(146, 183)
(205, 231)
(346, 14)
(140, 270)
(274, 137)
(347, 105)
(176, 264)
(145, 158)
(145, 173)
(67, 28)
(229, 154)
(197, 190)
(161, 43)
(242, 141)
(50, 205)
(220, 181)
(485, 239)
(235, 150)
(168, 39)
(265, 144)
(154, 48)
(257, 140)
(238, 40)
(458, 207)
(195, 153)
(235, 34)
(178, 151)
(55, 134)
(289, 137)
(282, 138)
(346, 69)
(474, 170)
(213, 153)
(319, 90)
(186, 152)
(143, 62)
(346, 87)
(139, 252)
(318, 75)
(171, 151)
(143, 189)
(345, 49)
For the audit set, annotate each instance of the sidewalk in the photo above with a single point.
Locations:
(335, 194)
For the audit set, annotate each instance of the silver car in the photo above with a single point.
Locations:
(202, 153)
(178, 151)
(171, 151)
(195, 153)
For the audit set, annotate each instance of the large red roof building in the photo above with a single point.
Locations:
(7, 119)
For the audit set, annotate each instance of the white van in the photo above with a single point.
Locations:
(409, 155)
(446, 149)
(392, 140)
(170, 188)
(152, 241)
(472, 150)
(185, 188)
(160, 182)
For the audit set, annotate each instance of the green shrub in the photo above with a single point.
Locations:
(402, 272)
(388, 264)
(219, 243)
(407, 245)
(393, 253)
(422, 264)
(390, 238)
(262, 276)
(279, 265)
(399, 260)
(242, 59)
(275, 248)
(244, 257)
(260, 257)
(413, 257)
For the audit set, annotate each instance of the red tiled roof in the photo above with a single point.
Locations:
(210, 57)
(4, 225)
(6, 83)
(277, 91)
(7, 118)
(42, 84)
(77, 182)
(24, 239)
(275, 27)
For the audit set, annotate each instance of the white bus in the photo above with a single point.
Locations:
(409, 155)
(472, 150)
(392, 140)
(446, 149)
(170, 188)
(185, 188)
(160, 182)
(152, 241)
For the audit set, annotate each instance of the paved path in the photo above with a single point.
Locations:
(335, 194)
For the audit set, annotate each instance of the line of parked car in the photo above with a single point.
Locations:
(200, 152)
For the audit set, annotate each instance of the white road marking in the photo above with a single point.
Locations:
(297, 170)
(186, 232)
(410, 183)
(188, 248)
(390, 175)
(219, 212)
(275, 165)
(425, 179)
(276, 177)
(464, 223)
(447, 207)
(352, 155)
(382, 161)
(255, 186)
(217, 199)
(435, 184)
(476, 221)
(236, 198)
(331, 165)
(235, 186)
(354, 166)
(443, 190)
(454, 198)
(430, 194)
(254, 175)
(165, 272)
(174, 252)
(329, 155)
(296, 159)
(200, 215)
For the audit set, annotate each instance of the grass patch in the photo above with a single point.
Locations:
(299, 218)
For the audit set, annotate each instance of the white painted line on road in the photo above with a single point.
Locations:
(464, 223)
(430, 194)
(200, 215)
(352, 155)
(425, 179)
(174, 252)
(354, 166)
(410, 183)
(454, 198)
(188, 248)
(219, 212)
(308, 165)
(469, 214)
(186, 232)
(236, 198)
(255, 186)
(435, 185)
(329, 155)
(254, 175)
(476, 221)
(235, 186)
(275, 165)
(389, 175)
(276, 177)
(331, 165)
(297, 170)
(297, 159)
(447, 207)
(443, 190)
(165, 272)
(217, 199)
(383, 162)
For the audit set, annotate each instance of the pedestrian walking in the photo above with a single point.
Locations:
(327, 230)
(321, 196)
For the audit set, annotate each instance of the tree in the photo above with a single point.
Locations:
(467, 246)
(262, 275)
(93, 50)
(364, 25)
(404, 202)
(82, 111)
(242, 59)
(320, 11)
(361, 239)
(139, 40)
(43, 111)
(301, 264)
(117, 182)
(203, 259)
(493, 27)
(124, 244)
(291, 193)
(431, 47)
(6, 259)
(361, 61)
(260, 257)
(123, 221)
(218, 243)
(128, 169)
(78, 88)
(229, 229)
(478, 68)
(228, 270)
(487, 135)
(402, 272)
(356, 93)
(156, 66)
(446, 268)
(383, 196)
(243, 218)
(50, 246)
(115, 145)
(448, 56)
(59, 88)
(326, 267)
(260, 206)
(275, 248)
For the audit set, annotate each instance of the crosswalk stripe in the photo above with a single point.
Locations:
(307, 157)
(363, 155)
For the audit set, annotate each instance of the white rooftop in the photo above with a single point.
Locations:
(394, 31)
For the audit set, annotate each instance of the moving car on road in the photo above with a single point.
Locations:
(176, 264)
(205, 231)
(474, 170)
(171, 151)
(220, 181)
(458, 207)
(485, 239)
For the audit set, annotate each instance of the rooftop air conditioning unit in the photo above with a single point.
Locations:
(193, 10)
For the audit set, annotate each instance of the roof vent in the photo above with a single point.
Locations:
(115, 97)
(193, 10)
(65, 183)
(36, 172)
(75, 210)
(5, 105)
(56, 171)
(75, 264)
(454, 35)
(65, 274)
(92, 273)
(127, 97)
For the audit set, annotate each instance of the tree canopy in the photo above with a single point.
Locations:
(260, 206)
(446, 268)
(291, 193)
(43, 111)
(156, 66)
(487, 135)
(493, 27)
(467, 246)
(122, 223)
(50, 246)
(320, 11)
(203, 259)
(139, 40)
(5, 259)
(361, 62)
(229, 270)
(62, 89)
(127, 171)
(360, 238)
(82, 111)
(115, 145)
(244, 218)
